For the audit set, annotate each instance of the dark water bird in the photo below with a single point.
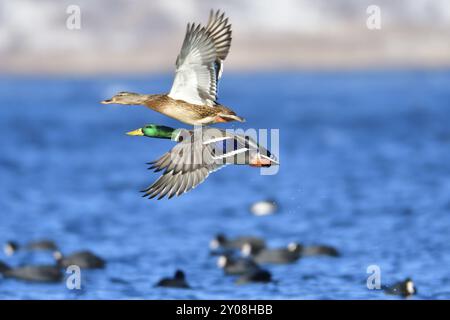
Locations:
(236, 266)
(37, 273)
(319, 250)
(178, 281)
(221, 241)
(257, 275)
(198, 153)
(289, 254)
(193, 96)
(404, 288)
(83, 259)
(11, 247)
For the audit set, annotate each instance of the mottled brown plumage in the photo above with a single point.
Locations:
(189, 113)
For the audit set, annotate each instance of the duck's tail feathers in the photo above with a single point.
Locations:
(271, 159)
(263, 161)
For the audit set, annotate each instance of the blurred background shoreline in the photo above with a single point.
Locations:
(145, 36)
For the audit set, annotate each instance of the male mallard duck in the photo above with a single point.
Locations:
(193, 96)
(198, 153)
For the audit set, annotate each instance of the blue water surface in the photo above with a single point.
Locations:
(365, 167)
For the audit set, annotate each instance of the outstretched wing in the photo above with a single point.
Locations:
(187, 165)
(200, 62)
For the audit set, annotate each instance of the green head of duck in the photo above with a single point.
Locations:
(154, 131)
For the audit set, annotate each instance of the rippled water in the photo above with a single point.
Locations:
(364, 167)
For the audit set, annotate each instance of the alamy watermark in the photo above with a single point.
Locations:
(374, 280)
(73, 21)
(373, 21)
(212, 146)
(73, 281)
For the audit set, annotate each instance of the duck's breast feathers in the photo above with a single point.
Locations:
(200, 62)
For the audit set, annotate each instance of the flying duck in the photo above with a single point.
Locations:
(199, 65)
(198, 153)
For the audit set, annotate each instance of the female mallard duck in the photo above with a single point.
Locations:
(193, 96)
(198, 153)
